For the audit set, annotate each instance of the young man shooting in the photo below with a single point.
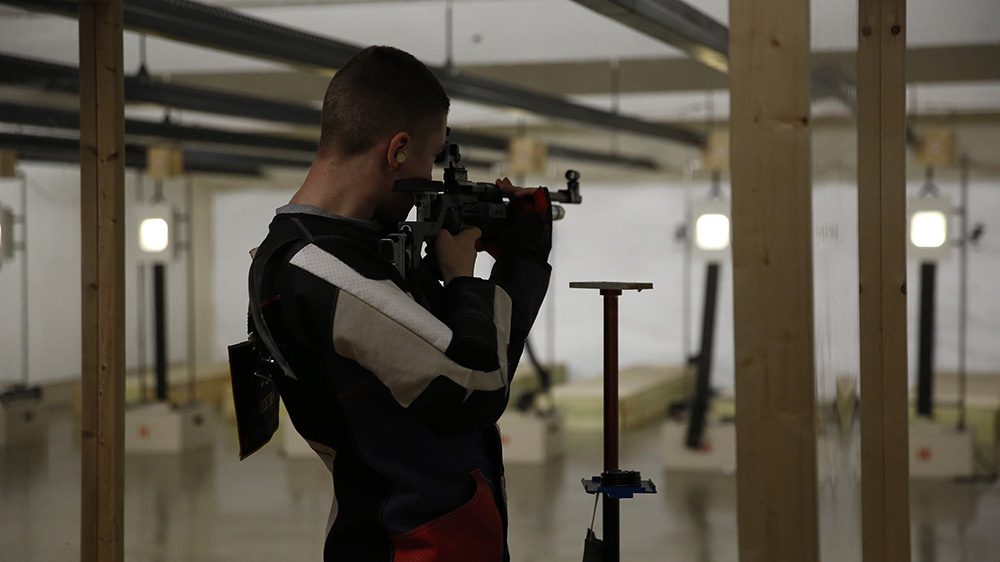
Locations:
(398, 382)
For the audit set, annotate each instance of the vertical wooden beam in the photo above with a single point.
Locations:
(885, 513)
(200, 217)
(102, 204)
(773, 289)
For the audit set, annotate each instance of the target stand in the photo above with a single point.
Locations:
(614, 483)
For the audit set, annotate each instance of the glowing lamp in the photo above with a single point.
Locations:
(155, 231)
(710, 229)
(928, 227)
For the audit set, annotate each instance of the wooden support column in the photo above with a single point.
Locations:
(773, 289)
(885, 507)
(102, 205)
(200, 217)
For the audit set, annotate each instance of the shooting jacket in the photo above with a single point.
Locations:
(398, 386)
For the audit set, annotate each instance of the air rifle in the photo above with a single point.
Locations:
(457, 203)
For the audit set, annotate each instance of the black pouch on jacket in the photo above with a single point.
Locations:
(255, 398)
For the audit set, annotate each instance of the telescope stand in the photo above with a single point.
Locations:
(614, 483)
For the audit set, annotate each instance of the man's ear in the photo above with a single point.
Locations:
(396, 154)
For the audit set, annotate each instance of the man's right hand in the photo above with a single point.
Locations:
(456, 254)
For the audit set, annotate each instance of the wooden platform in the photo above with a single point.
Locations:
(211, 386)
(644, 393)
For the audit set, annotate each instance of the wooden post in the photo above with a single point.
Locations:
(885, 512)
(102, 204)
(773, 289)
(200, 223)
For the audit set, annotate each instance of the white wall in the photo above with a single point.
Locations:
(835, 285)
(626, 233)
(240, 219)
(54, 279)
(836, 282)
(620, 233)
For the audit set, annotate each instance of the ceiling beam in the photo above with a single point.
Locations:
(42, 148)
(677, 24)
(673, 22)
(63, 78)
(63, 119)
(228, 30)
(924, 65)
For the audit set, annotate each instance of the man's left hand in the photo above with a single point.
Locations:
(511, 190)
(529, 230)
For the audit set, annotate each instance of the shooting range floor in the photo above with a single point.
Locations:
(207, 506)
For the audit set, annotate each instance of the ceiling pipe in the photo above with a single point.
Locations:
(63, 78)
(228, 30)
(41, 148)
(674, 23)
(707, 41)
(63, 119)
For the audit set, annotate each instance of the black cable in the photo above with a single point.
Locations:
(527, 400)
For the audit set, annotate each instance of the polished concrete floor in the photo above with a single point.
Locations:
(208, 506)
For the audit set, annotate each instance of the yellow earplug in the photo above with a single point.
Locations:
(400, 157)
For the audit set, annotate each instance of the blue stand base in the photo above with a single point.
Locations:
(614, 487)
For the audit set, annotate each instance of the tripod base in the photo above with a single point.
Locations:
(614, 485)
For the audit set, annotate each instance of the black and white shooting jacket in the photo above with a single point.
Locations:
(398, 386)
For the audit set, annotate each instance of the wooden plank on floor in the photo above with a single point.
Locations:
(102, 204)
(885, 535)
(773, 289)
